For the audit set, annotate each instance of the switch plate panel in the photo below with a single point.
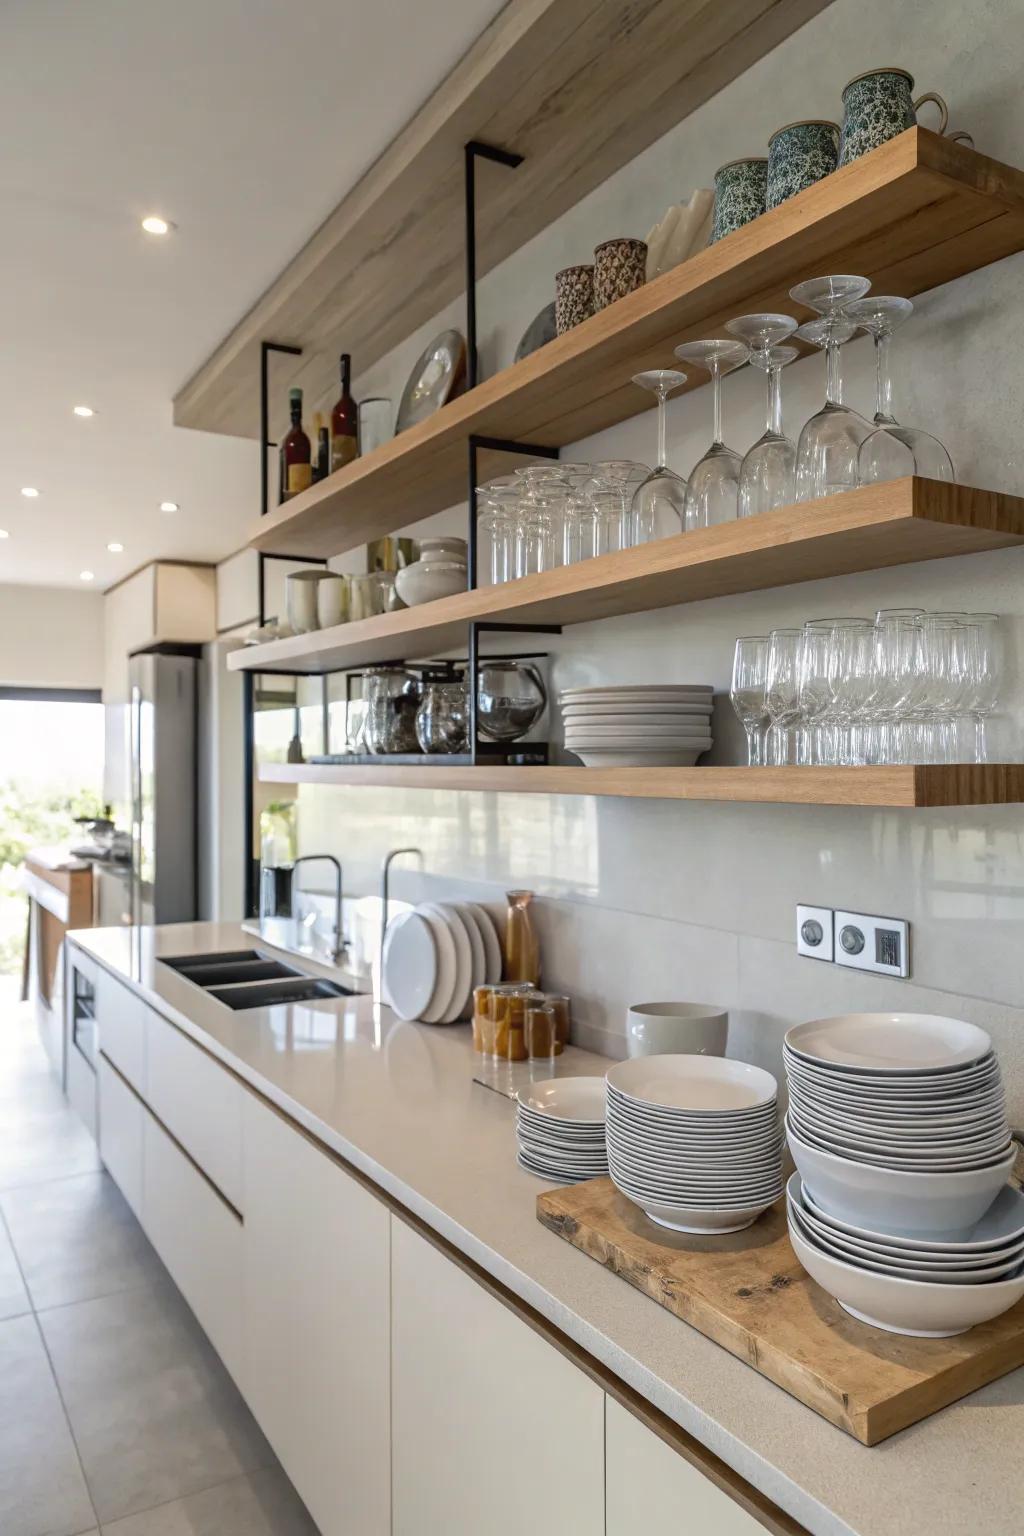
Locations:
(809, 921)
(879, 944)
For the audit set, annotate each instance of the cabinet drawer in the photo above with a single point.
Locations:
(199, 1102)
(121, 1027)
(198, 1238)
(121, 1133)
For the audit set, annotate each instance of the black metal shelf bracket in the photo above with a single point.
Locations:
(477, 628)
(266, 347)
(473, 152)
(477, 444)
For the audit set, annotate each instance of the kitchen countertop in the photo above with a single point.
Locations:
(398, 1101)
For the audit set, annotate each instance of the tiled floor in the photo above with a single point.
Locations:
(116, 1416)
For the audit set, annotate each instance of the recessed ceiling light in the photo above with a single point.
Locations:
(169, 506)
(4, 534)
(83, 410)
(116, 549)
(153, 224)
(29, 490)
(86, 576)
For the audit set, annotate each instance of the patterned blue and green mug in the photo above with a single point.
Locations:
(799, 155)
(741, 191)
(879, 105)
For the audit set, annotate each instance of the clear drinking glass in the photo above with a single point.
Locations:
(892, 451)
(497, 519)
(898, 660)
(782, 696)
(747, 692)
(626, 476)
(712, 491)
(538, 533)
(986, 679)
(827, 453)
(659, 503)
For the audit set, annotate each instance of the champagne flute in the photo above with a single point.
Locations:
(747, 692)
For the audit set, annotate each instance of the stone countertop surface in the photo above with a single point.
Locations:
(398, 1101)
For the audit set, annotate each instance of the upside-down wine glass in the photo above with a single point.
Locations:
(892, 451)
(830, 441)
(659, 502)
(747, 692)
(712, 491)
(767, 473)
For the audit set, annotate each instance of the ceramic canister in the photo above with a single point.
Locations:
(574, 297)
(741, 190)
(620, 266)
(877, 106)
(799, 155)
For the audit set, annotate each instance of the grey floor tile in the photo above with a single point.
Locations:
(154, 1413)
(13, 1295)
(41, 1137)
(42, 1490)
(77, 1239)
(263, 1504)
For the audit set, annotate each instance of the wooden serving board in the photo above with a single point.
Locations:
(748, 1292)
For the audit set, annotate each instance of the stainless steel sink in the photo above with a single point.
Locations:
(264, 994)
(246, 978)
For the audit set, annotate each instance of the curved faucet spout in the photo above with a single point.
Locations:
(338, 945)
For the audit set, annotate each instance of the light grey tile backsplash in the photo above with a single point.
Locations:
(640, 900)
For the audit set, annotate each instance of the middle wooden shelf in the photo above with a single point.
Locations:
(894, 523)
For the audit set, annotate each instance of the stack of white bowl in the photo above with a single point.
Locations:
(657, 726)
(897, 1125)
(560, 1128)
(695, 1141)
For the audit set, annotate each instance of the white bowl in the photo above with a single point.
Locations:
(891, 1200)
(693, 1084)
(889, 1043)
(1002, 1224)
(900, 1266)
(919, 1308)
(427, 580)
(902, 1146)
(686, 1029)
(888, 1157)
(680, 758)
(707, 1219)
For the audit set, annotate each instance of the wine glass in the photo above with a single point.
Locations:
(827, 453)
(768, 470)
(986, 678)
(782, 696)
(892, 451)
(712, 491)
(747, 691)
(659, 502)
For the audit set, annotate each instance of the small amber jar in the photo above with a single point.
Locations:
(508, 1014)
(542, 1042)
(483, 1020)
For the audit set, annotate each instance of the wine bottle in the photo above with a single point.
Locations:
(296, 459)
(344, 420)
(322, 459)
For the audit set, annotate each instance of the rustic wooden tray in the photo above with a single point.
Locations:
(748, 1292)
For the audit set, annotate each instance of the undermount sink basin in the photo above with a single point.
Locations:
(245, 978)
(264, 994)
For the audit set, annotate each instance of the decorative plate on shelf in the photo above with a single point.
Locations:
(538, 333)
(438, 373)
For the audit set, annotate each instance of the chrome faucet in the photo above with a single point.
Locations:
(385, 870)
(338, 946)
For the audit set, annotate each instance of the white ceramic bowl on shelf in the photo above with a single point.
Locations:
(427, 580)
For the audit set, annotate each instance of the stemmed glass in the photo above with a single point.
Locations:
(768, 471)
(659, 503)
(830, 441)
(747, 692)
(782, 696)
(986, 678)
(891, 450)
(712, 491)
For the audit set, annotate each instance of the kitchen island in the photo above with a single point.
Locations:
(439, 1244)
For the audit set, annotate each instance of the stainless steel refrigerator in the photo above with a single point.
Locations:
(164, 757)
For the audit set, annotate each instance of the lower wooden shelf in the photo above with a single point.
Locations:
(898, 786)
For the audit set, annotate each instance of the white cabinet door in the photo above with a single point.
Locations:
(493, 1430)
(199, 1238)
(199, 1102)
(121, 1026)
(316, 1314)
(650, 1487)
(121, 1133)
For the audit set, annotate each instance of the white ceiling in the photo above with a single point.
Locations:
(244, 122)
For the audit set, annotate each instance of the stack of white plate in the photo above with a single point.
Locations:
(434, 958)
(560, 1129)
(659, 725)
(695, 1141)
(897, 1125)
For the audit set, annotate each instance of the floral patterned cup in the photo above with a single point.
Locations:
(574, 297)
(741, 192)
(620, 267)
(877, 106)
(799, 155)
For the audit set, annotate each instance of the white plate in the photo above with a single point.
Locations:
(848, 1086)
(915, 1307)
(890, 1042)
(890, 1159)
(680, 759)
(636, 690)
(410, 965)
(492, 944)
(914, 1121)
(476, 943)
(744, 1120)
(447, 976)
(1002, 1223)
(639, 714)
(471, 962)
(672, 730)
(462, 988)
(693, 1083)
(554, 1175)
(566, 1098)
(887, 1139)
(851, 1252)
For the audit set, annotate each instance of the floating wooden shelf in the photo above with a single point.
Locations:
(914, 213)
(879, 525)
(578, 87)
(989, 784)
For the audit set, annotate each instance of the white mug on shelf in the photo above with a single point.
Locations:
(676, 1029)
(332, 601)
(301, 597)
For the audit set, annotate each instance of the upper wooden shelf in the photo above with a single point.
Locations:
(897, 786)
(578, 87)
(867, 529)
(914, 213)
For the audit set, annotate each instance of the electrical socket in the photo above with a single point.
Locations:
(865, 943)
(814, 933)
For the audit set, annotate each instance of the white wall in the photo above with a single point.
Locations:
(50, 637)
(641, 900)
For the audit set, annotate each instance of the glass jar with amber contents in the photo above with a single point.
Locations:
(547, 1025)
(508, 1021)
